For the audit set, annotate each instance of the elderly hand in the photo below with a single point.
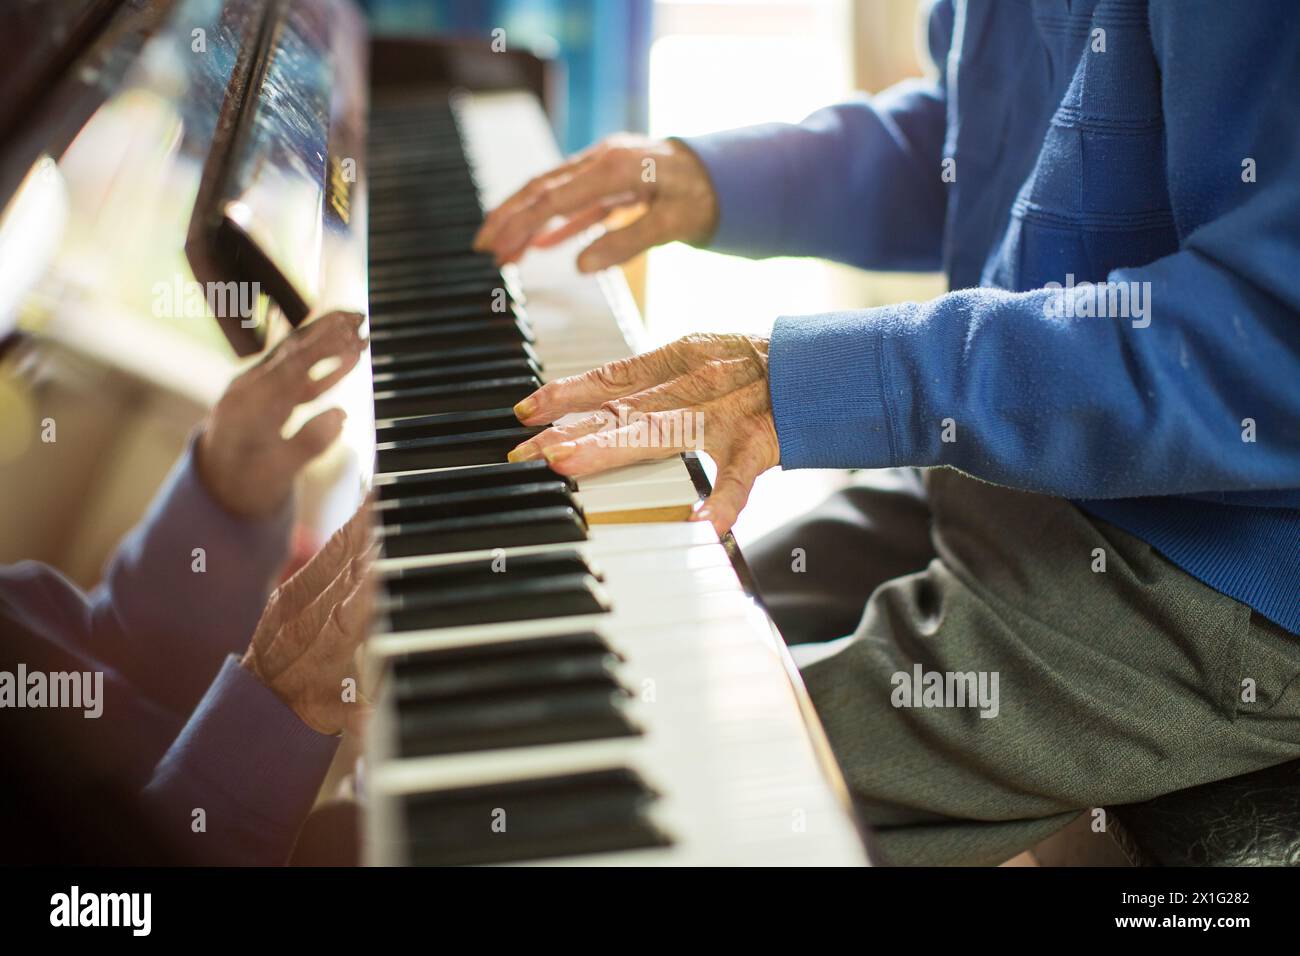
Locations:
(704, 392)
(662, 176)
(304, 646)
(243, 460)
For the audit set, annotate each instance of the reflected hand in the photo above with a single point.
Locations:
(304, 646)
(242, 458)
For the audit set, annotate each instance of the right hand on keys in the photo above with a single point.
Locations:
(623, 171)
(304, 645)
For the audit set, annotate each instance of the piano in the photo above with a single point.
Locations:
(561, 671)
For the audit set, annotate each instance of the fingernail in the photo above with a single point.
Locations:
(558, 453)
(526, 408)
(524, 453)
(702, 514)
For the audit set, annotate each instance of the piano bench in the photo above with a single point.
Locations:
(1251, 820)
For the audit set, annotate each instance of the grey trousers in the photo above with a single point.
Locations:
(1119, 676)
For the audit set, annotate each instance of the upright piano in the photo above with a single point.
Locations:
(561, 671)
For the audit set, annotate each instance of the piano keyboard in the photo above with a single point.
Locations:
(566, 671)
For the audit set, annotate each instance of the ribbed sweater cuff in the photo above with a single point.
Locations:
(832, 400)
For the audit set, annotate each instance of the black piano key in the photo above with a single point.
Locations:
(557, 524)
(511, 675)
(514, 717)
(446, 335)
(423, 116)
(439, 657)
(460, 228)
(449, 423)
(456, 201)
(531, 665)
(448, 207)
(408, 231)
(543, 494)
(432, 311)
(468, 479)
(418, 277)
(399, 267)
(442, 284)
(434, 163)
(453, 574)
(420, 270)
(421, 212)
(449, 439)
(456, 396)
(419, 152)
(431, 291)
(402, 132)
(451, 451)
(600, 811)
(399, 144)
(567, 595)
(386, 252)
(449, 186)
(434, 153)
(461, 259)
(398, 131)
(397, 380)
(494, 352)
(442, 191)
(406, 269)
(428, 124)
(438, 216)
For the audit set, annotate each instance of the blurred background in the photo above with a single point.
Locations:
(131, 387)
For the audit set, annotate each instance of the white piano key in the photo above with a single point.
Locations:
(623, 498)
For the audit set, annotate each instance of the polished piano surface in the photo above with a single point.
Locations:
(561, 671)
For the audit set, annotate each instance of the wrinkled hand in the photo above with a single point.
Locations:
(304, 646)
(663, 177)
(709, 387)
(243, 460)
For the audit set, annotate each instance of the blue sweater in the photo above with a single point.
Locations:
(1120, 142)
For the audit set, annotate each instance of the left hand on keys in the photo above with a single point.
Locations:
(702, 392)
